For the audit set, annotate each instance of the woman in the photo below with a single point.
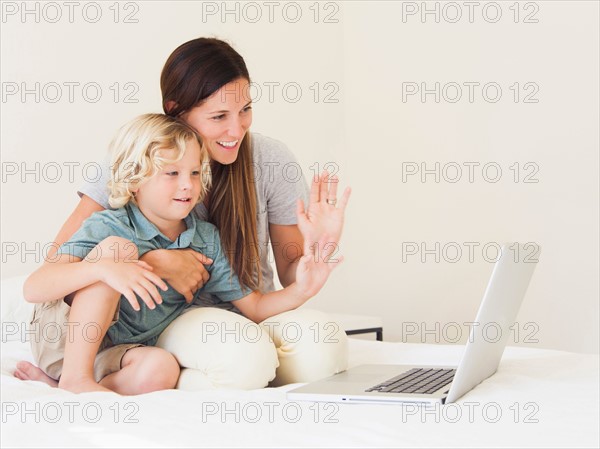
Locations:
(205, 82)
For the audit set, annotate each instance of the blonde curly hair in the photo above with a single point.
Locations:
(137, 154)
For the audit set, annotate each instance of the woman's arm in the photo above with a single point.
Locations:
(311, 275)
(322, 221)
(258, 306)
(85, 208)
(288, 244)
(183, 269)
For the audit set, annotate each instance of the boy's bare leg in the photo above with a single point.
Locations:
(96, 305)
(143, 370)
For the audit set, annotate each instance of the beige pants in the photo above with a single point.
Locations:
(221, 349)
(50, 329)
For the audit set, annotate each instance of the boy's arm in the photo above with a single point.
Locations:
(182, 269)
(68, 274)
(64, 275)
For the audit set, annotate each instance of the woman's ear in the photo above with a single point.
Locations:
(170, 105)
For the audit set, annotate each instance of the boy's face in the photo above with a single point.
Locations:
(171, 194)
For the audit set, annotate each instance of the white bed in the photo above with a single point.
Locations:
(538, 398)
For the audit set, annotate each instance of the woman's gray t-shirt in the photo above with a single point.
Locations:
(279, 183)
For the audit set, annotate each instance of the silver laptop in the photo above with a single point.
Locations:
(442, 384)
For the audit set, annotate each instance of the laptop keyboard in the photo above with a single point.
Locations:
(417, 381)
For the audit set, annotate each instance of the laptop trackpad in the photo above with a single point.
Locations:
(369, 374)
(351, 377)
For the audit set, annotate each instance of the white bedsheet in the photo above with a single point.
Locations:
(545, 399)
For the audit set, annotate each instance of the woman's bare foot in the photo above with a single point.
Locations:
(27, 371)
(81, 385)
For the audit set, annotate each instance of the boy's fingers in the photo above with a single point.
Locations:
(143, 293)
(144, 265)
(132, 300)
(156, 280)
(151, 288)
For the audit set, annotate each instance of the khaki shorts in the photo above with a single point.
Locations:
(49, 331)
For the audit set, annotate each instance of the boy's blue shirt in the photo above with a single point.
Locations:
(129, 222)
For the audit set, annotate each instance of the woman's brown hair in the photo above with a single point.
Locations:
(193, 72)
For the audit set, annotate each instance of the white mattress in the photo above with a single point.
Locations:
(546, 399)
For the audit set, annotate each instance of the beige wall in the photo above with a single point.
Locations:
(364, 119)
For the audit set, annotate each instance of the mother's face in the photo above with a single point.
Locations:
(223, 119)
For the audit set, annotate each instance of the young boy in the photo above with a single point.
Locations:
(106, 336)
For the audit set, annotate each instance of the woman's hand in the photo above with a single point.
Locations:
(131, 277)
(323, 222)
(314, 269)
(183, 269)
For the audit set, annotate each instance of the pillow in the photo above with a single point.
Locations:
(219, 349)
(310, 344)
(15, 311)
